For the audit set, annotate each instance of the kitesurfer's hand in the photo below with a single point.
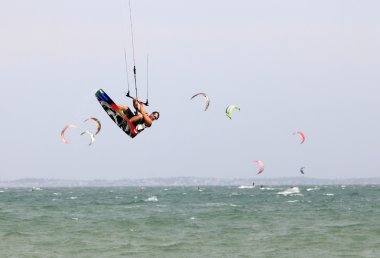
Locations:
(137, 102)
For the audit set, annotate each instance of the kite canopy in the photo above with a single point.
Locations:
(229, 110)
(98, 124)
(261, 166)
(301, 135)
(301, 170)
(207, 100)
(64, 130)
(91, 134)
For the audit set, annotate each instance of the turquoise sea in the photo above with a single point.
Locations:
(225, 221)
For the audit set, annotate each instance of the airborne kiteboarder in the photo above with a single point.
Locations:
(140, 119)
(130, 122)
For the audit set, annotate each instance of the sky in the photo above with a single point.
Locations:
(289, 65)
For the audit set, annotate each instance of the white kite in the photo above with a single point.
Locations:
(207, 100)
(91, 134)
(97, 122)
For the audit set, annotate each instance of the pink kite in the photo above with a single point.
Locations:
(301, 135)
(261, 166)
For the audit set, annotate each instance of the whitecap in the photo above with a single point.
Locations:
(294, 201)
(290, 191)
(267, 188)
(328, 194)
(246, 187)
(152, 199)
(73, 197)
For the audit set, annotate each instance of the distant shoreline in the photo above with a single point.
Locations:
(185, 181)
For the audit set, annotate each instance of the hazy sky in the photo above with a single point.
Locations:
(290, 65)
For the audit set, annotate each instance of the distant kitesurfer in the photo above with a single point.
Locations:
(140, 119)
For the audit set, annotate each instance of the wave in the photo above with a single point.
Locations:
(152, 199)
(246, 187)
(267, 188)
(290, 191)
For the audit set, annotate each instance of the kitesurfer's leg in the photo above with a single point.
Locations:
(126, 110)
(123, 107)
(137, 119)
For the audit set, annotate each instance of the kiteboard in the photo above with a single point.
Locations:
(116, 114)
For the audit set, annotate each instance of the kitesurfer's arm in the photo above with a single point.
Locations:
(136, 103)
(133, 118)
(148, 122)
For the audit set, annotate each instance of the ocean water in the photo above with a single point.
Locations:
(316, 221)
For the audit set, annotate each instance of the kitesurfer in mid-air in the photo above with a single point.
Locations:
(140, 119)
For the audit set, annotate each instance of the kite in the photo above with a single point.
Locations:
(207, 103)
(300, 135)
(91, 135)
(261, 166)
(229, 110)
(64, 130)
(98, 124)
